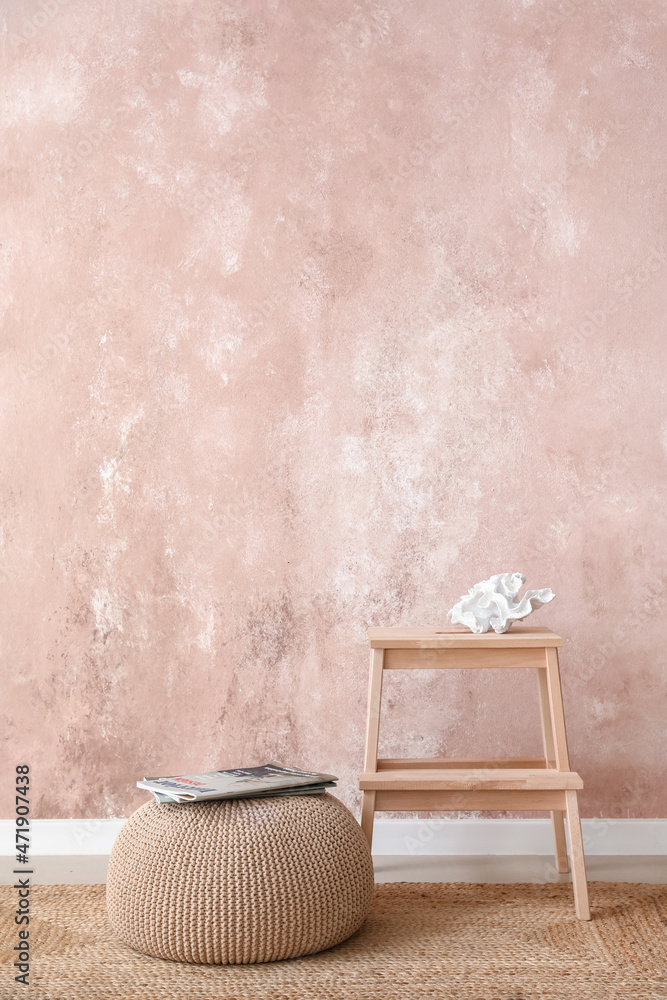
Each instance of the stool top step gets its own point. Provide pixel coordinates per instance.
(459, 637)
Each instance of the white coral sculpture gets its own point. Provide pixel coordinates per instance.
(493, 604)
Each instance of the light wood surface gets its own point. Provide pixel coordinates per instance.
(459, 637)
(557, 817)
(464, 779)
(545, 715)
(458, 801)
(392, 763)
(372, 736)
(460, 784)
(458, 659)
(556, 711)
(368, 810)
(577, 856)
(560, 844)
(373, 711)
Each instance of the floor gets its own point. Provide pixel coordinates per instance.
(436, 941)
(91, 869)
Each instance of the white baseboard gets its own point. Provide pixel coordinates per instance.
(63, 836)
(614, 837)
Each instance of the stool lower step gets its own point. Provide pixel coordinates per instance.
(470, 779)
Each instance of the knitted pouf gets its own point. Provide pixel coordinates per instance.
(247, 880)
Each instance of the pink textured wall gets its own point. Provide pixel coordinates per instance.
(313, 314)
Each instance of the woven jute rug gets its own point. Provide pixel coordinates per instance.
(469, 942)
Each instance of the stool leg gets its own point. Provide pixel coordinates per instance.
(579, 882)
(367, 815)
(557, 822)
(557, 713)
(372, 736)
(557, 816)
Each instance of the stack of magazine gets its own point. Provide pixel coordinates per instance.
(239, 783)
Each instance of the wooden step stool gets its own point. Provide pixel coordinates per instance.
(481, 783)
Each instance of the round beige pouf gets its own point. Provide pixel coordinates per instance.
(248, 880)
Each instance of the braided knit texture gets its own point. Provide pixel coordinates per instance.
(242, 881)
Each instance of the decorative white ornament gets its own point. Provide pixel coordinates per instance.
(492, 603)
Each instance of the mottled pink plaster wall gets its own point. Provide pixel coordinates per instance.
(313, 314)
